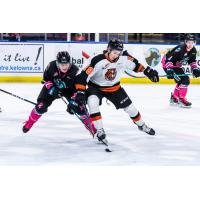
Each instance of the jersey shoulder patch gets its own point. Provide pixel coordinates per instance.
(178, 49)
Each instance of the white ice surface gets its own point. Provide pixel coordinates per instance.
(60, 139)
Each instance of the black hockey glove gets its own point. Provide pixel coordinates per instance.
(74, 107)
(170, 73)
(196, 72)
(80, 97)
(151, 74)
(70, 109)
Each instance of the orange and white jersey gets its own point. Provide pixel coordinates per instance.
(103, 72)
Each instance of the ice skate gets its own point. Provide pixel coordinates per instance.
(34, 116)
(146, 129)
(184, 103)
(101, 136)
(173, 100)
(27, 126)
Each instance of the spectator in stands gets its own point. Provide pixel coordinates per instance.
(14, 37)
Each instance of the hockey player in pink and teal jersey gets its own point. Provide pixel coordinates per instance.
(173, 63)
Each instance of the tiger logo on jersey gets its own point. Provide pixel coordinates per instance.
(110, 74)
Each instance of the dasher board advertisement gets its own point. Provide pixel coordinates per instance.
(21, 58)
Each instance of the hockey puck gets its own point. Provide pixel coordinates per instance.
(108, 150)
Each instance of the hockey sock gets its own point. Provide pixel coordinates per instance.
(176, 91)
(34, 116)
(138, 120)
(183, 91)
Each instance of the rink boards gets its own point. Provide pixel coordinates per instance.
(26, 61)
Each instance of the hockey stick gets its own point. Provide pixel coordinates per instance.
(14, 95)
(177, 75)
(76, 114)
(107, 149)
(67, 102)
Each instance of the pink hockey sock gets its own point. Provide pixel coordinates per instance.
(183, 91)
(34, 116)
(90, 125)
(176, 91)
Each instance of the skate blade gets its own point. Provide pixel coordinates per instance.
(182, 106)
(174, 104)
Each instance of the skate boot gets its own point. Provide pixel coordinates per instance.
(27, 126)
(101, 136)
(34, 116)
(0, 109)
(146, 129)
(184, 103)
(173, 100)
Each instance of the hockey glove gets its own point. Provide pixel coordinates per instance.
(74, 107)
(170, 73)
(151, 74)
(51, 89)
(48, 84)
(80, 97)
(196, 72)
(70, 109)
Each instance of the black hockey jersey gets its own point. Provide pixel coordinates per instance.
(52, 73)
(179, 56)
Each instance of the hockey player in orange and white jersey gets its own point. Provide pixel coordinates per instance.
(102, 75)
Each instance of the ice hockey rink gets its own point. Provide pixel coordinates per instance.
(60, 139)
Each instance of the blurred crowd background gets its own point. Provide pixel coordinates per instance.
(167, 38)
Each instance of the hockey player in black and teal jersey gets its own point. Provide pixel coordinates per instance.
(173, 63)
(59, 79)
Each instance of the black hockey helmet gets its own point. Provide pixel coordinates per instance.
(63, 57)
(115, 44)
(190, 37)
